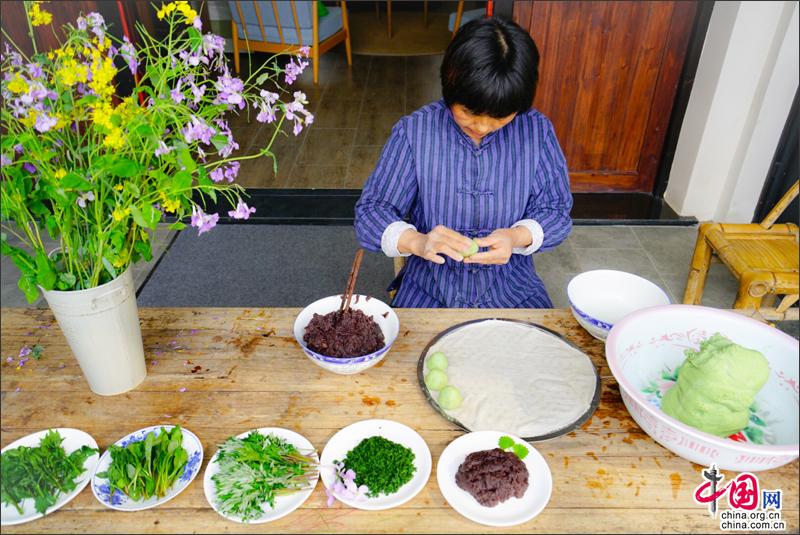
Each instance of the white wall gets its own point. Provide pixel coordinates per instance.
(746, 79)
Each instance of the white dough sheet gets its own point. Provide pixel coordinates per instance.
(515, 378)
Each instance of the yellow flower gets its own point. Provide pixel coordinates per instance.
(166, 9)
(119, 187)
(182, 6)
(103, 73)
(61, 173)
(72, 72)
(118, 263)
(120, 213)
(102, 115)
(30, 120)
(38, 16)
(169, 205)
(18, 85)
(115, 139)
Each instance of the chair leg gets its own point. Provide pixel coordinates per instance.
(346, 24)
(315, 46)
(698, 270)
(459, 13)
(753, 286)
(235, 39)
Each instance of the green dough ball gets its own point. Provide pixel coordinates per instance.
(436, 379)
(716, 386)
(473, 248)
(437, 361)
(449, 398)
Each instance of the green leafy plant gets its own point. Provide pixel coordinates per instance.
(43, 472)
(149, 467)
(255, 470)
(507, 443)
(98, 171)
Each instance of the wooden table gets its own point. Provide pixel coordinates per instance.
(243, 369)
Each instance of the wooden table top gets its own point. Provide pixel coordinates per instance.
(242, 369)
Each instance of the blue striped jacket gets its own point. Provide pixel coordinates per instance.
(430, 172)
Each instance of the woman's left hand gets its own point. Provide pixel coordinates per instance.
(500, 244)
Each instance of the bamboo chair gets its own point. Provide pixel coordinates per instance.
(762, 256)
(260, 34)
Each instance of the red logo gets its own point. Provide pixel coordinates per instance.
(742, 491)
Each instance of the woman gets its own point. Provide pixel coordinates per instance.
(482, 164)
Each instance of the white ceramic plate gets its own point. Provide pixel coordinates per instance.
(512, 511)
(283, 504)
(349, 437)
(73, 439)
(120, 501)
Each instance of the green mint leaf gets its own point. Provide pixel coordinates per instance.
(521, 451)
(505, 442)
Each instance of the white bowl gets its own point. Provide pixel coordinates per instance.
(383, 315)
(646, 347)
(602, 297)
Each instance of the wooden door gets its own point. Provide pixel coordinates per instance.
(608, 75)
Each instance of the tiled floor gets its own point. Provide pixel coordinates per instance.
(355, 109)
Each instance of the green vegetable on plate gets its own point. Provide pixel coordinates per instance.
(507, 443)
(42, 473)
(254, 470)
(148, 468)
(380, 464)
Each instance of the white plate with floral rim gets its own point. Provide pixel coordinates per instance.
(283, 504)
(118, 500)
(349, 437)
(510, 512)
(73, 439)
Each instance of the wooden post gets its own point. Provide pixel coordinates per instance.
(346, 25)
(235, 39)
(315, 47)
(698, 270)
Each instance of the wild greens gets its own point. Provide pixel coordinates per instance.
(149, 467)
(254, 470)
(42, 472)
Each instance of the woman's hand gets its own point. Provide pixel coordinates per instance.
(431, 246)
(501, 244)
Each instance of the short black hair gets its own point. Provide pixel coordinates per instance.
(491, 67)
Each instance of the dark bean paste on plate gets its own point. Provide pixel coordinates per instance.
(343, 334)
(493, 476)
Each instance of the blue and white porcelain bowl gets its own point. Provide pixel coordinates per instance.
(602, 297)
(383, 315)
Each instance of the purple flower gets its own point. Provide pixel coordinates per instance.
(82, 24)
(242, 211)
(177, 94)
(197, 129)
(232, 171)
(162, 149)
(18, 148)
(213, 45)
(293, 70)
(4, 160)
(204, 222)
(29, 167)
(129, 53)
(331, 496)
(197, 92)
(197, 23)
(44, 122)
(10, 360)
(88, 196)
(217, 175)
(182, 389)
(35, 70)
(230, 89)
(305, 51)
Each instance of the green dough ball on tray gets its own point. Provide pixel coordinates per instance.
(437, 361)
(436, 379)
(449, 398)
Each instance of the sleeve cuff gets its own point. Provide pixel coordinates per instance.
(537, 236)
(391, 236)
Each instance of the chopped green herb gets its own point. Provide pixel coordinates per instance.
(148, 468)
(380, 464)
(36, 351)
(255, 470)
(42, 473)
(507, 443)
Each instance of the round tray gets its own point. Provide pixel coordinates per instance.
(553, 434)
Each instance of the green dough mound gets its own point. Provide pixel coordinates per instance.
(716, 386)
